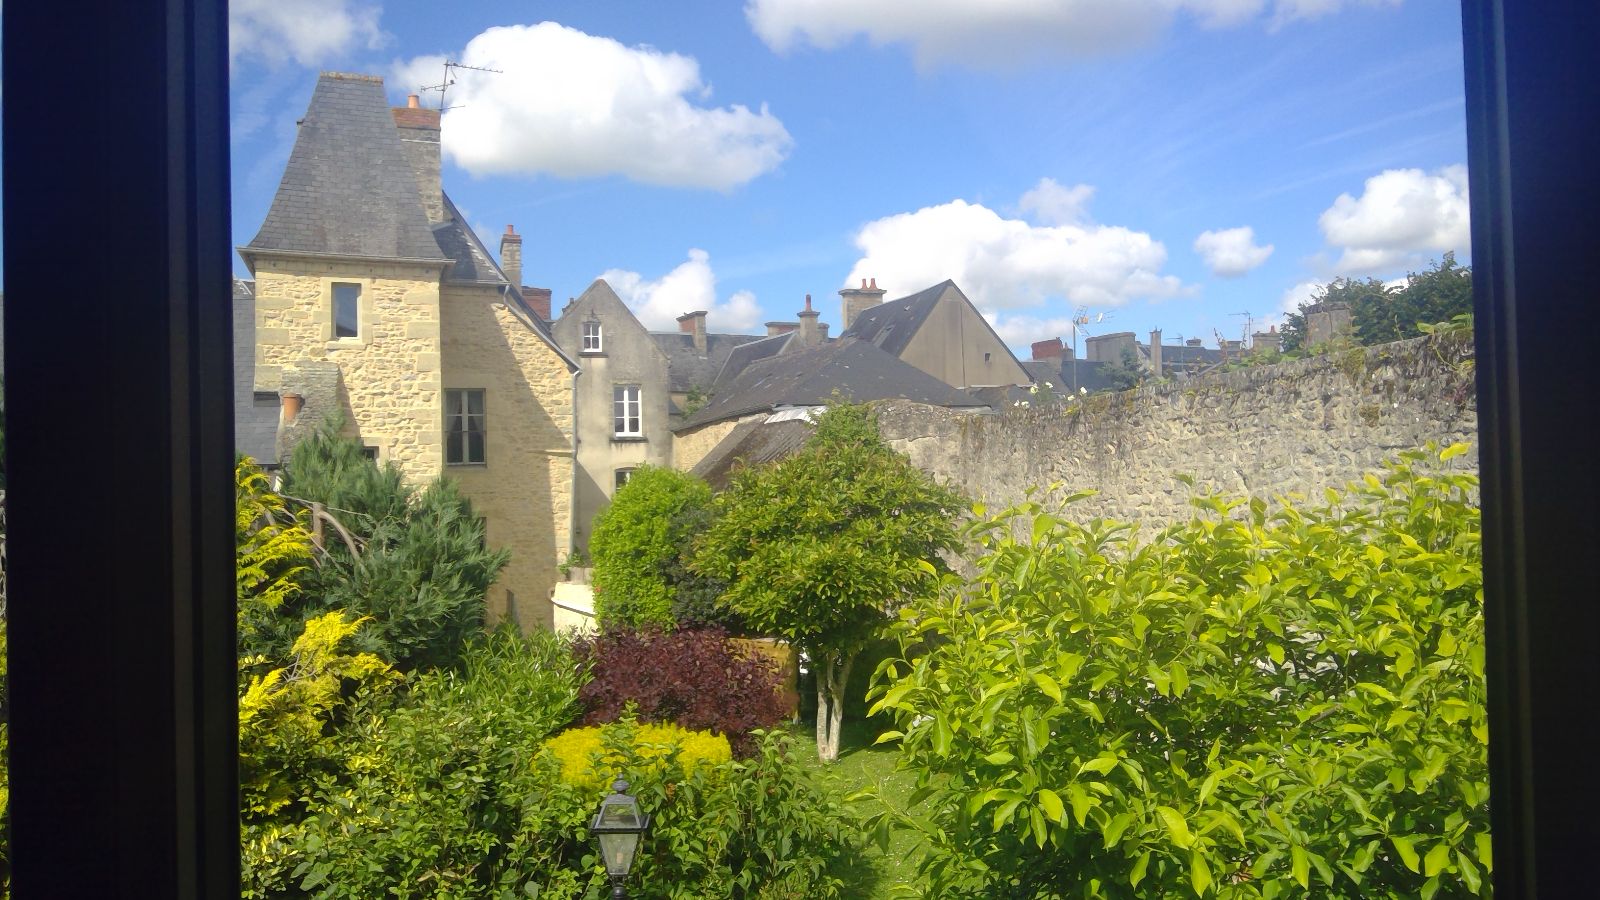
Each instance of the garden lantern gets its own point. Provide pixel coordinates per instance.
(619, 826)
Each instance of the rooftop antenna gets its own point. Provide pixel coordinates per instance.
(450, 78)
(1249, 326)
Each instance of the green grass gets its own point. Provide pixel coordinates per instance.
(861, 765)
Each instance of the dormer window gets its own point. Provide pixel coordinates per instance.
(591, 336)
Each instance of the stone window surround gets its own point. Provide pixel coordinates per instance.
(364, 313)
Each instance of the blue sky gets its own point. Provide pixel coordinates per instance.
(1104, 154)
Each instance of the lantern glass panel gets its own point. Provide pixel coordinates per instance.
(618, 850)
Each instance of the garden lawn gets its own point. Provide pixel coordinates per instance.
(862, 765)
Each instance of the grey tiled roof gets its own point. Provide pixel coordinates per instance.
(751, 444)
(687, 369)
(458, 241)
(348, 188)
(890, 325)
(740, 357)
(1067, 375)
(855, 369)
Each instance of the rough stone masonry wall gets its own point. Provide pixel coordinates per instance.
(391, 374)
(1293, 427)
(524, 490)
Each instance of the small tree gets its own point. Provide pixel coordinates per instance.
(821, 546)
(423, 568)
(638, 541)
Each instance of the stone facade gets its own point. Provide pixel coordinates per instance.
(691, 446)
(1296, 427)
(391, 371)
(524, 488)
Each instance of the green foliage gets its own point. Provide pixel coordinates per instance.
(1125, 374)
(455, 798)
(821, 546)
(637, 544)
(288, 716)
(439, 795)
(271, 549)
(422, 570)
(1380, 314)
(1249, 704)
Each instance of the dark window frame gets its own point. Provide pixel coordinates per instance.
(335, 300)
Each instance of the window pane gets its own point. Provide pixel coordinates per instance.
(475, 447)
(475, 402)
(345, 297)
(453, 447)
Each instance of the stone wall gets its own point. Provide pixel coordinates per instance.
(391, 372)
(689, 447)
(1293, 427)
(524, 489)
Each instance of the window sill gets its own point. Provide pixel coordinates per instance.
(345, 343)
(468, 465)
(582, 353)
(628, 439)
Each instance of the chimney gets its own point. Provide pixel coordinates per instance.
(1193, 342)
(857, 300)
(695, 323)
(538, 300)
(1267, 341)
(776, 328)
(1155, 351)
(511, 255)
(810, 334)
(419, 135)
(291, 407)
(1050, 349)
(822, 329)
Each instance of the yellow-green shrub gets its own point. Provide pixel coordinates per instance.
(588, 760)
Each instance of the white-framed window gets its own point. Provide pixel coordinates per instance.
(465, 434)
(622, 477)
(591, 337)
(346, 310)
(626, 411)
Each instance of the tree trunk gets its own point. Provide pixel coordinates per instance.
(833, 677)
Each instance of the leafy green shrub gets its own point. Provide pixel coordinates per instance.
(1249, 704)
(287, 716)
(422, 570)
(697, 679)
(444, 794)
(637, 544)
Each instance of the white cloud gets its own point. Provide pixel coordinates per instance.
(575, 105)
(1008, 263)
(1052, 204)
(1231, 252)
(1400, 214)
(1298, 296)
(1005, 33)
(309, 32)
(691, 286)
(1020, 331)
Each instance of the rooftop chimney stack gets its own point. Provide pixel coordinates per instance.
(1155, 352)
(694, 323)
(511, 255)
(810, 334)
(858, 300)
(419, 135)
(1050, 349)
(538, 300)
(776, 328)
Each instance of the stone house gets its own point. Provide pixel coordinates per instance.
(938, 330)
(373, 300)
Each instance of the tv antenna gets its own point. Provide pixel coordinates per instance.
(1249, 326)
(449, 79)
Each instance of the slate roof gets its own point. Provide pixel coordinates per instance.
(348, 188)
(751, 444)
(687, 369)
(855, 369)
(473, 264)
(1189, 358)
(1060, 373)
(740, 357)
(890, 325)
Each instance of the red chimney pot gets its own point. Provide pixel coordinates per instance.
(411, 101)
